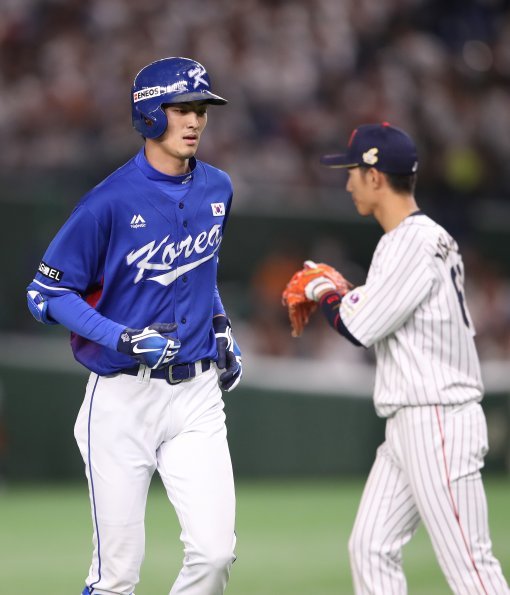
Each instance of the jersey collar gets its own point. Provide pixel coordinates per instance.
(153, 174)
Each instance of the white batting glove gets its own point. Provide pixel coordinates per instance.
(317, 286)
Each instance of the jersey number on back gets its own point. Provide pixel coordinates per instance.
(456, 274)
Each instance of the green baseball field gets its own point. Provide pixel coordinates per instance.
(292, 539)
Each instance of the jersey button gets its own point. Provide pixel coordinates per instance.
(184, 279)
(183, 320)
(185, 223)
(181, 205)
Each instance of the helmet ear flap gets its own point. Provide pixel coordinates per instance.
(151, 125)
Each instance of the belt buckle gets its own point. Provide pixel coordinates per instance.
(170, 379)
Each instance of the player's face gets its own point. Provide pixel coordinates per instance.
(360, 187)
(186, 122)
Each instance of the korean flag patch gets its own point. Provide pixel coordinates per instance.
(218, 209)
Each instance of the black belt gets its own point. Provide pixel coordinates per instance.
(176, 373)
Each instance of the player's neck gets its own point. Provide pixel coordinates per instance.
(394, 209)
(164, 162)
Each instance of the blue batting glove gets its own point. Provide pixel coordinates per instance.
(229, 354)
(152, 346)
(224, 339)
(232, 376)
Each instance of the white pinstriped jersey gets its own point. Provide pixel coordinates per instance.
(412, 309)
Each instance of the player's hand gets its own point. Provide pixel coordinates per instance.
(321, 278)
(152, 346)
(232, 375)
(304, 290)
(229, 354)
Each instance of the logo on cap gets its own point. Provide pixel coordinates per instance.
(177, 87)
(198, 75)
(146, 93)
(371, 156)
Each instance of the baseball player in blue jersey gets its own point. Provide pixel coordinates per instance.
(132, 274)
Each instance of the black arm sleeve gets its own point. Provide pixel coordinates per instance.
(330, 306)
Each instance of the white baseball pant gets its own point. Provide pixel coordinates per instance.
(127, 429)
(427, 469)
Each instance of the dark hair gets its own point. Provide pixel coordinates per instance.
(402, 184)
(399, 183)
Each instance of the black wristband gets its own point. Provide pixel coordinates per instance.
(124, 342)
(330, 306)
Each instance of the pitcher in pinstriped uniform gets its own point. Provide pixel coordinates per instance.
(428, 385)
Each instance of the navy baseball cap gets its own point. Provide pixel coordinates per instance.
(381, 146)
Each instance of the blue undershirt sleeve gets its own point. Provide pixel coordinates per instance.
(217, 303)
(71, 311)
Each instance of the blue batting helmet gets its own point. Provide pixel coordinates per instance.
(170, 80)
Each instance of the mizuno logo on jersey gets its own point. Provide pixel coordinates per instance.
(137, 221)
(218, 209)
(160, 257)
(49, 272)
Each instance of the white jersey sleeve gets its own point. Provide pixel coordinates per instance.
(412, 309)
(399, 279)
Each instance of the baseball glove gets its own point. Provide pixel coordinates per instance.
(301, 294)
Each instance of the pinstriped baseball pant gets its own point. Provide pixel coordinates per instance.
(125, 431)
(428, 469)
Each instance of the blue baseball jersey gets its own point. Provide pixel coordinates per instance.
(142, 247)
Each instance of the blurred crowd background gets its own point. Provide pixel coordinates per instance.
(299, 76)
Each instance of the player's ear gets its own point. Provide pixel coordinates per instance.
(375, 177)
